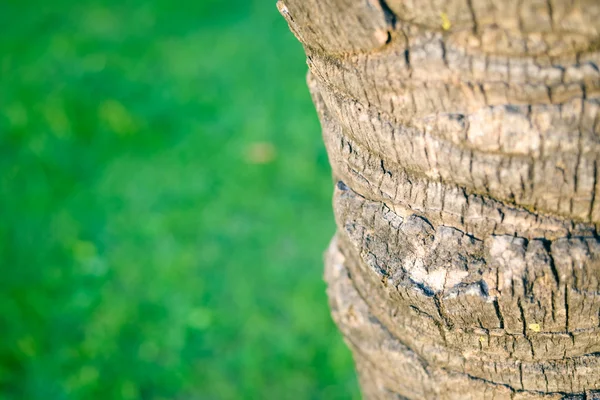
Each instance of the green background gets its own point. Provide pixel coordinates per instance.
(164, 206)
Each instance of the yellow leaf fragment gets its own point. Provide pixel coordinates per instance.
(445, 21)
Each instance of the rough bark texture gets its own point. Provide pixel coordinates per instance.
(464, 140)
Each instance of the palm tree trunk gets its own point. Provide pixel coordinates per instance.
(464, 141)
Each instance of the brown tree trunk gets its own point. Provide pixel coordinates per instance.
(464, 140)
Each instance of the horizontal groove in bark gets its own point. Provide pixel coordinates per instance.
(444, 260)
(533, 182)
(374, 344)
(413, 354)
(407, 192)
(501, 137)
(397, 98)
(439, 59)
(406, 264)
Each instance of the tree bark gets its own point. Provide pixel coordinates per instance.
(464, 138)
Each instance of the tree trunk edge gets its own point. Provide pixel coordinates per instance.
(463, 141)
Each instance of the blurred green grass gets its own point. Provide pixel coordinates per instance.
(164, 206)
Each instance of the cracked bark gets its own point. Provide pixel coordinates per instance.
(464, 139)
